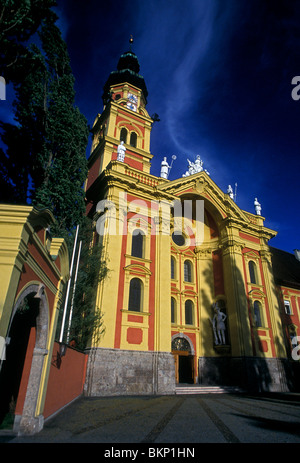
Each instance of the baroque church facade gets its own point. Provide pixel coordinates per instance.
(194, 292)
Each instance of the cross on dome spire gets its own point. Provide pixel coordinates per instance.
(131, 42)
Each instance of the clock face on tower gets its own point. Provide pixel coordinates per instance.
(132, 102)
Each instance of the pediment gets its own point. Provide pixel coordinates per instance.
(188, 253)
(251, 255)
(189, 292)
(201, 185)
(137, 269)
(256, 293)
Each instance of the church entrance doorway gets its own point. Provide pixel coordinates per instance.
(184, 360)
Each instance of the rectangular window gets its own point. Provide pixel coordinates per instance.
(287, 307)
(189, 309)
(187, 271)
(173, 310)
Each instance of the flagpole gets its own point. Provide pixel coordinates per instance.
(74, 287)
(68, 288)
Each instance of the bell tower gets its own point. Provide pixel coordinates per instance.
(124, 121)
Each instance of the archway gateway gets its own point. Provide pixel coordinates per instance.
(184, 360)
(22, 370)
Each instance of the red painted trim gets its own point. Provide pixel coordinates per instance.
(120, 301)
(267, 310)
(218, 272)
(249, 308)
(151, 333)
(93, 172)
(66, 379)
(135, 318)
(134, 335)
(249, 237)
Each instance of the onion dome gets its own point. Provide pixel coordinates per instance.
(127, 71)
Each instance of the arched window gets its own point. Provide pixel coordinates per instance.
(173, 310)
(135, 295)
(189, 312)
(187, 273)
(252, 272)
(172, 268)
(137, 244)
(181, 344)
(257, 313)
(123, 135)
(133, 139)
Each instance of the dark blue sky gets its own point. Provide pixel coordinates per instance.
(219, 74)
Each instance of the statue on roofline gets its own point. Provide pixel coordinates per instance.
(195, 167)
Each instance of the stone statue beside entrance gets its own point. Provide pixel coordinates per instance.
(218, 323)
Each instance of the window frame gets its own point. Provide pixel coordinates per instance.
(192, 305)
(189, 271)
(173, 268)
(133, 297)
(173, 310)
(253, 274)
(122, 130)
(257, 305)
(136, 244)
(133, 139)
(287, 303)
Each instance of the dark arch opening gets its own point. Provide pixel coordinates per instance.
(23, 325)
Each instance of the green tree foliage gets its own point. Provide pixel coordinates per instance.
(19, 21)
(45, 162)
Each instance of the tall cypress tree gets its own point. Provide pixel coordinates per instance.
(61, 166)
(45, 162)
(19, 21)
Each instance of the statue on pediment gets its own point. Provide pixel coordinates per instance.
(195, 167)
(257, 206)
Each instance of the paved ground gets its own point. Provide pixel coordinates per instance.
(215, 418)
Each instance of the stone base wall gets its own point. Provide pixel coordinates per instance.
(122, 372)
(254, 374)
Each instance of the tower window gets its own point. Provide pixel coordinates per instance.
(133, 139)
(253, 272)
(173, 310)
(187, 271)
(257, 314)
(135, 295)
(123, 135)
(189, 312)
(137, 244)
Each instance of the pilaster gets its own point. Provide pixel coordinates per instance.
(237, 304)
(274, 311)
(206, 298)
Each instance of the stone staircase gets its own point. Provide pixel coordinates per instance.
(197, 389)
